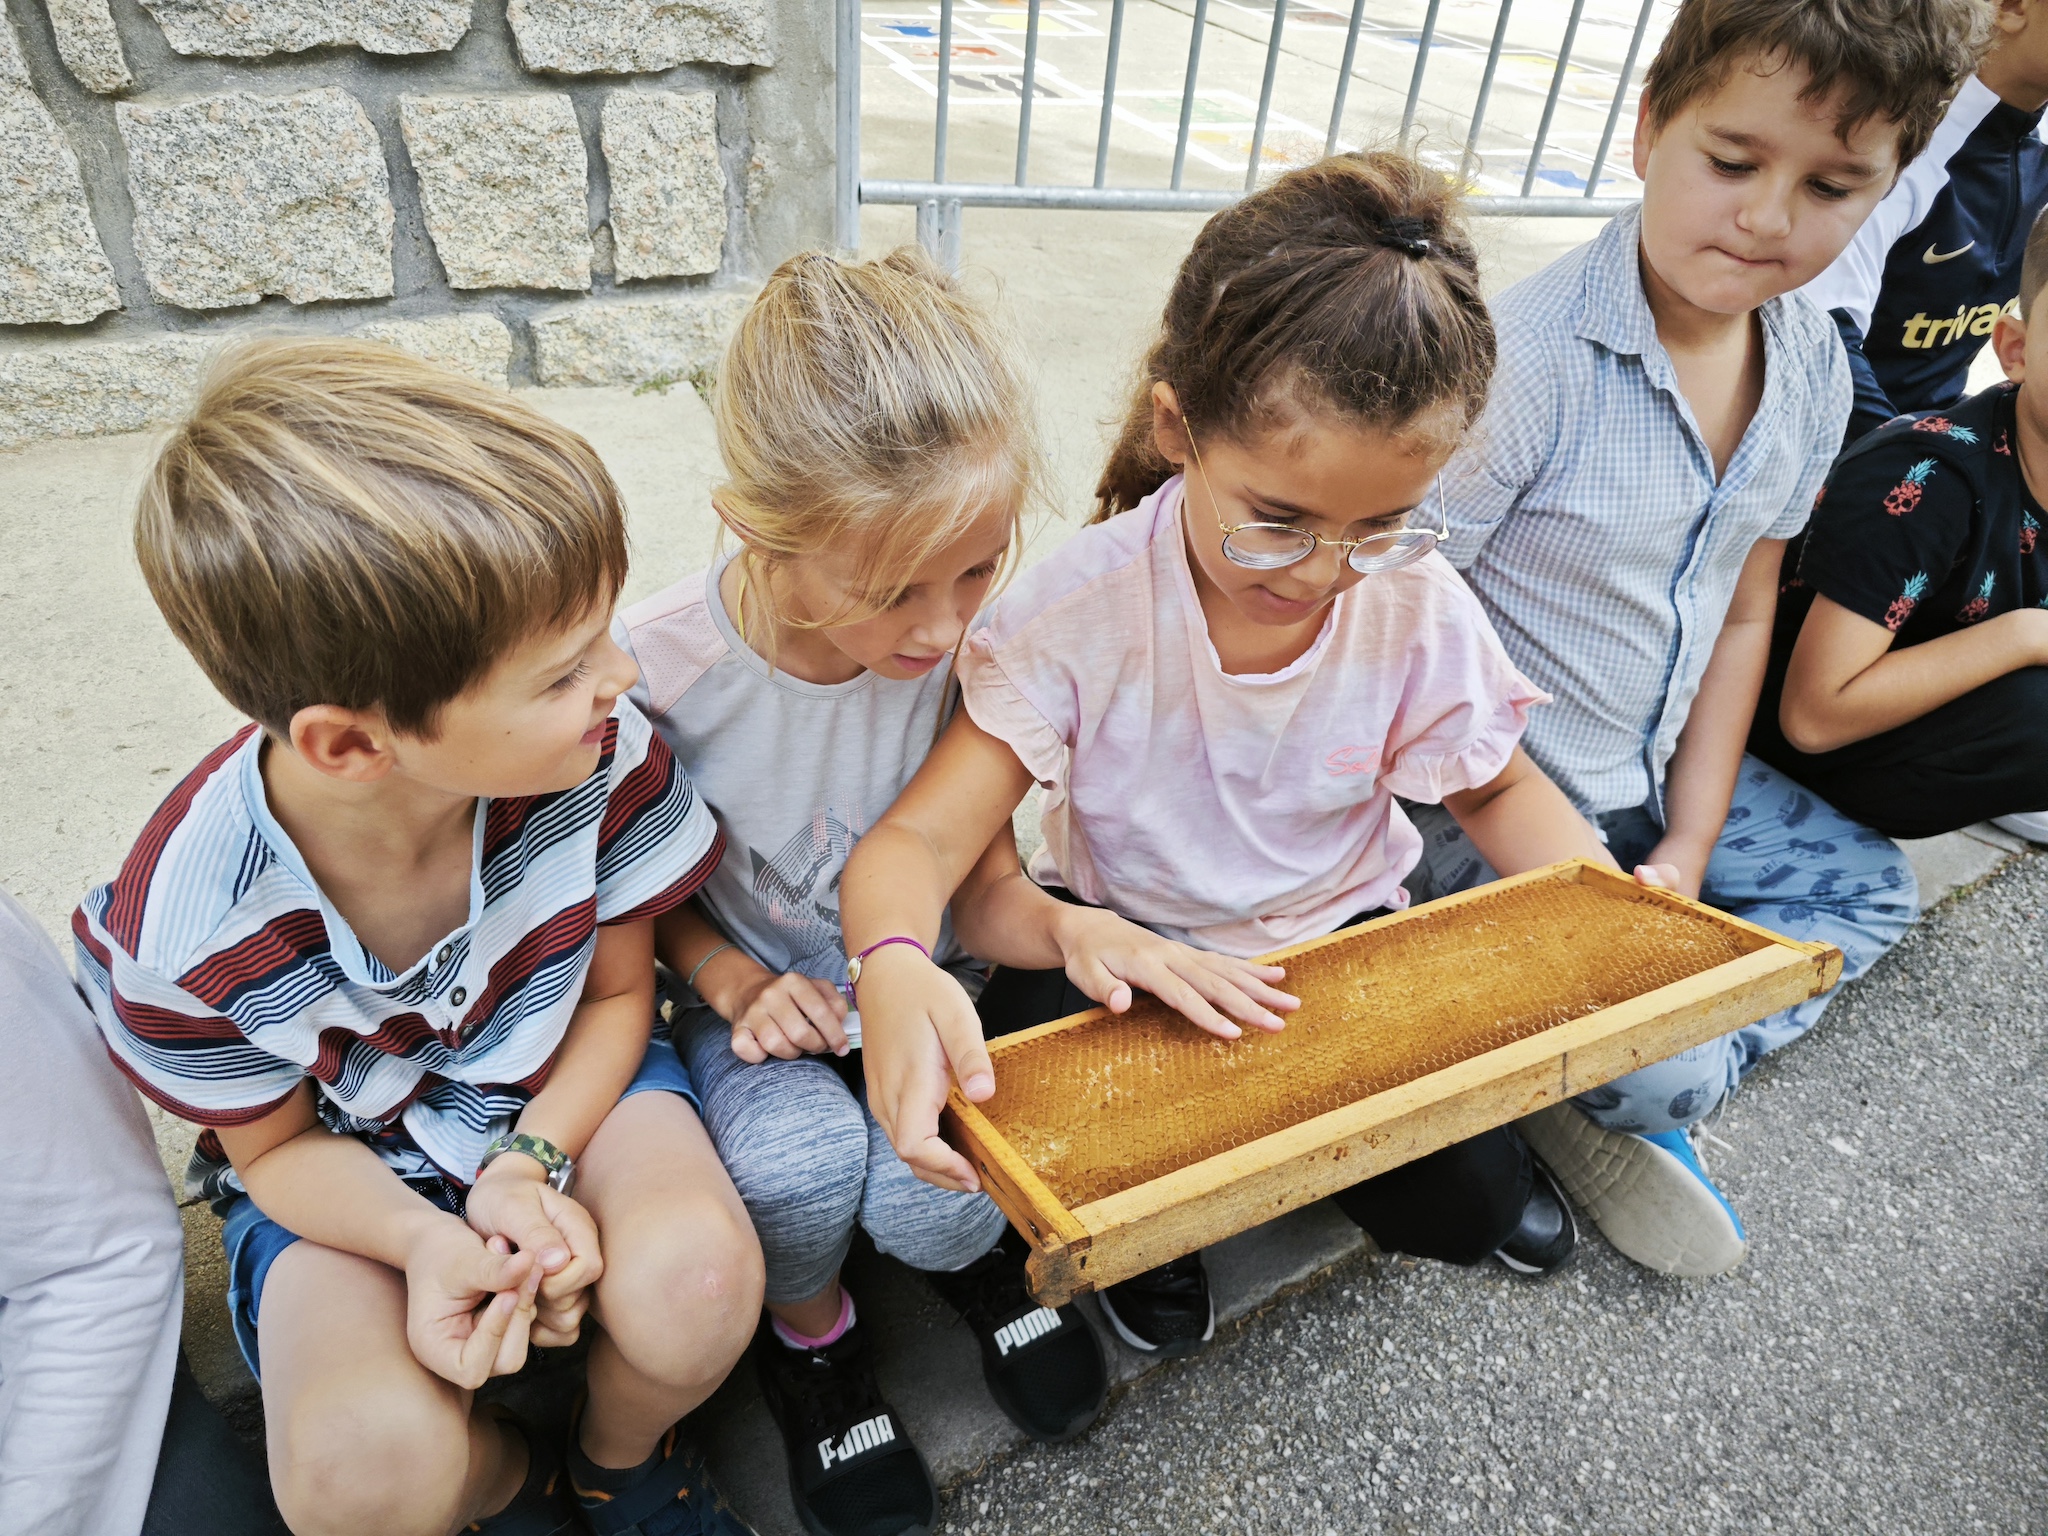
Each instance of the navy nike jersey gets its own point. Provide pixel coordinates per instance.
(1919, 288)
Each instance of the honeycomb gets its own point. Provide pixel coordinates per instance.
(1114, 1103)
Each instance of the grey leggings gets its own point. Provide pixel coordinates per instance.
(810, 1161)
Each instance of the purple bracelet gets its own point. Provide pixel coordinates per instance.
(853, 966)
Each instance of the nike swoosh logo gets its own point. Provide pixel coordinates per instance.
(1935, 258)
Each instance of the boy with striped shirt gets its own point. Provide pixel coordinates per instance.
(392, 946)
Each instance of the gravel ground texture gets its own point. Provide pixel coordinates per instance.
(1877, 1364)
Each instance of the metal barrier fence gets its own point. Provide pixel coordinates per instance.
(940, 202)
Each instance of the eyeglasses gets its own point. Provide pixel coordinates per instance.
(1273, 546)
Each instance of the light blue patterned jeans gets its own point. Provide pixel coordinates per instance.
(1786, 860)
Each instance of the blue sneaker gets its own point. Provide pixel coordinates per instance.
(1649, 1195)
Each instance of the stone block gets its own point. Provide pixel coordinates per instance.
(503, 183)
(237, 196)
(478, 345)
(668, 189)
(99, 387)
(89, 45)
(626, 37)
(248, 29)
(52, 266)
(634, 342)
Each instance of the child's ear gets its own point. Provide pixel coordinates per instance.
(1645, 139)
(1169, 427)
(342, 743)
(2009, 345)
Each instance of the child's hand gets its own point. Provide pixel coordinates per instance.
(1665, 876)
(469, 1307)
(512, 1201)
(1108, 955)
(918, 1028)
(787, 1016)
(783, 1015)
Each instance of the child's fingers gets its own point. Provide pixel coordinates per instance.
(1663, 876)
(746, 1047)
(1175, 989)
(938, 1164)
(558, 1326)
(476, 1354)
(959, 1031)
(914, 1133)
(511, 1355)
(1225, 990)
(823, 1008)
(1097, 980)
(586, 1262)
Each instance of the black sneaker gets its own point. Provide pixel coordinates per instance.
(1043, 1365)
(852, 1468)
(1165, 1312)
(1546, 1235)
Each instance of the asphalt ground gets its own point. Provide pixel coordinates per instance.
(1877, 1364)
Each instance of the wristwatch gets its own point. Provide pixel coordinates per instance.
(560, 1165)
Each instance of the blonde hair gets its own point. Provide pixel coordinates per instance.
(870, 406)
(338, 523)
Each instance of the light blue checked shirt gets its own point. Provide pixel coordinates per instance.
(1585, 514)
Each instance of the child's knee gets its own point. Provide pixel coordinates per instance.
(1665, 1095)
(358, 1460)
(798, 1169)
(681, 1296)
(941, 1233)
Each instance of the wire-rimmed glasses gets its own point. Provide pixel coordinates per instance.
(1274, 546)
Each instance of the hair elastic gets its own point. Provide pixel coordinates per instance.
(692, 982)
(1408, 236)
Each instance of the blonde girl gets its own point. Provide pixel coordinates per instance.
(875, 432)
(1225, 681)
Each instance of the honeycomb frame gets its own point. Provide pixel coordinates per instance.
(1114, 1142)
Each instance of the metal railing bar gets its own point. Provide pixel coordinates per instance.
(1500, 36)
(945, 89)
(1116, 43)
(1628, 68)
(1343, 75)
(1000, 194)
(846, 111)
(1030, 88)
(1187, 91)
(1422, 43)
(1564, 59)
(1251, 170)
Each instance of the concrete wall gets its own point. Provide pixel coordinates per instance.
(539, 191)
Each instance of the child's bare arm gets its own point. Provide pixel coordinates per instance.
(916, 1023)
(601, 1050)
(469, 1307)
(1521, 820)
(1700, 782)
(787, 1015)
(1001, 916)
(1846, 683)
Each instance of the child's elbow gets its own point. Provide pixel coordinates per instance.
(1808, 729)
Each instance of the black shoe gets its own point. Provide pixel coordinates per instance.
(1544, 1238)
(1043, 1365)
(852, 1468)
(1165, 1312)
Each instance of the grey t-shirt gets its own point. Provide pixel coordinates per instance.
(796, 772)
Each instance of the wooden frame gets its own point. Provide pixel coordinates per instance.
(1111, 1239)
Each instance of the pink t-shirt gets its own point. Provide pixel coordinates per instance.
(1241, 813)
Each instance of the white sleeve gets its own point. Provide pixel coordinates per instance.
(1853, 280)
(91, 1262)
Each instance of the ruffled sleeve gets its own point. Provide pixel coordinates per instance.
(1000, 707)
(1464, 709)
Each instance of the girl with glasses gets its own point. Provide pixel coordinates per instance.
(1223, 684)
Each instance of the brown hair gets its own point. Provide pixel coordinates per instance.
(1348, 286)
(1897, 59)
(871, 406)
(338, 523)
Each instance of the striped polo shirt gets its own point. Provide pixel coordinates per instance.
(221, 976)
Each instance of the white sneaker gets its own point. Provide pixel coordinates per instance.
(2032, 825)
(1650, 1196)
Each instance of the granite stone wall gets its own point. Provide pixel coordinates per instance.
(536, 191)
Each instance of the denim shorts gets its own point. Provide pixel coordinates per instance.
(253, 1241)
